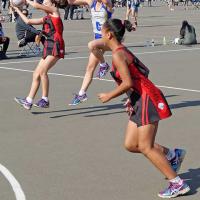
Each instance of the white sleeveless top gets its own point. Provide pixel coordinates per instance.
(99, 17)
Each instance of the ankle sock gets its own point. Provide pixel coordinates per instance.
(81, 92)
(177, 180)
(45, 98)
(29, 100)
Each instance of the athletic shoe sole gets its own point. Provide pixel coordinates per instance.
(35, 105)
(74, 104)
(181, 192)
(26, 107)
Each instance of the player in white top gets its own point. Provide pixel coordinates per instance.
(101, 10)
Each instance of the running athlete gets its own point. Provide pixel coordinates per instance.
(54, 49)
(147, 102)
(132, 8)
(101, 10)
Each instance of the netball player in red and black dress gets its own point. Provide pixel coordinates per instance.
(54, 49)
(147, 102)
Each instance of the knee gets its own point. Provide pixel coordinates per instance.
(91, 45)
(43, 73)
(130, 147)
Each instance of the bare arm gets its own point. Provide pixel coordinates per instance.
(80, 2)
(49, 9)
(122, 68)
(27, 20)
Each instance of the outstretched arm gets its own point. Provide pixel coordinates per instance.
(27, 20)
(49, 9)
(80, 2)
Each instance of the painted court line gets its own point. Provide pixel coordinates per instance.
(86, 57)
(19, 194)
(108, 80)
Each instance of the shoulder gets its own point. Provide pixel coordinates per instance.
(119, 56)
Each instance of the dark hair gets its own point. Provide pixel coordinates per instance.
(118, 27)
(184, 25)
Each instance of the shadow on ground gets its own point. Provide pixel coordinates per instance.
(87, 111)
(192, 178)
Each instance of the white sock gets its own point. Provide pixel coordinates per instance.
(81, 92)
(30, 100)
(176, 180)
(171, 154)
(45, 98)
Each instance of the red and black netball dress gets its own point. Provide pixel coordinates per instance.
(147, 100)
(54, 44)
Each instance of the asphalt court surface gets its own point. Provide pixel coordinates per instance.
(77, 153)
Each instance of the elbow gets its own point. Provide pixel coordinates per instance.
(28, 22)
(128, 85)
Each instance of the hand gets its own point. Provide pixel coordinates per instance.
(38, 39)
(104, 97)
(13, 7)
(129, 108)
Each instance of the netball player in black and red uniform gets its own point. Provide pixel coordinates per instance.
(54, 49)
(147, 102)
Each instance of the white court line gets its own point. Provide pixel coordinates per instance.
(108, 80)
(86, 57)
(19, 194)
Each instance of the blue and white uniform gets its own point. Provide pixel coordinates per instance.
(98, 18)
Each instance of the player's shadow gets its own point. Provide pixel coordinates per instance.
(87, 111)
(192, 178)
(185, 104)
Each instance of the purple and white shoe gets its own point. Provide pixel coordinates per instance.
(23, 102)
(103, 70)
(42, 104)
(77, 99)
(174, 190)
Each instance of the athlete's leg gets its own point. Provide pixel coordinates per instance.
(96, 55)
(97, 47)
(40, 74)
(128, 11)
(131, 139)
(135, 15)
(91, 66)
(50, 61)
(146, 138)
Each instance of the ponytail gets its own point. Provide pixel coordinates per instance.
(118, 27)
(128, 25)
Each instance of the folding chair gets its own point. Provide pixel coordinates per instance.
(31, 48)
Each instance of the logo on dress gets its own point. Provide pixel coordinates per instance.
(61, 51)
(161, 106)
